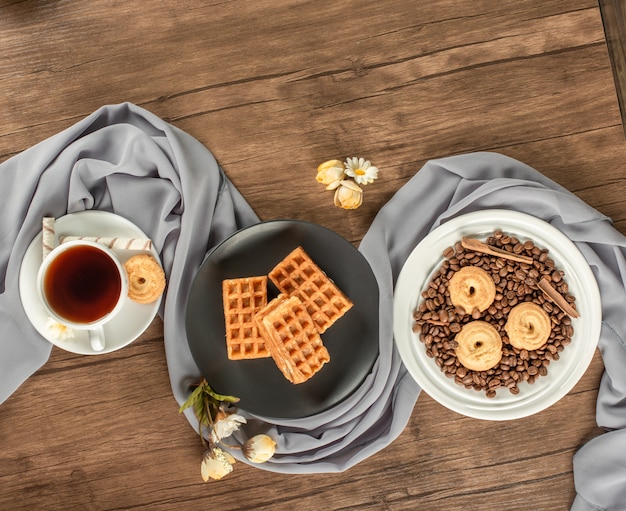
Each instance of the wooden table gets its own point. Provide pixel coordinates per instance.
(273, 88)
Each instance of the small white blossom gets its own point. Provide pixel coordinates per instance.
(361, 170)
(226, 426)
(58, 330)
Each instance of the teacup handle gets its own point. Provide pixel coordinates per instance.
(96, 338)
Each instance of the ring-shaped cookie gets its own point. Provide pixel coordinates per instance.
(472, 288)
(479, 346)
(146, 278)
(528, 326)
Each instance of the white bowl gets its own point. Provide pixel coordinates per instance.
(562, 375)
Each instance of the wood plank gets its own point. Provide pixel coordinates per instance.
(274, 88)
(614, 18)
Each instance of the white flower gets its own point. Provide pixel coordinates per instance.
(216, 464)
(58, 330)
(361, 170)
(330, 173)
(226, 426)
(259, 448)
(348, 195)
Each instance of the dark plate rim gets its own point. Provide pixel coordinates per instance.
(280, 225)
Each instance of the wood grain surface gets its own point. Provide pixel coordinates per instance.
(274, 88)
(614, 19)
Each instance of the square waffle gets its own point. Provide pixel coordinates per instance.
(242, 298)
(291, 338)
(299, 276)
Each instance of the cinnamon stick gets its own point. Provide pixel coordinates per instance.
(557, 298)
(483, 248)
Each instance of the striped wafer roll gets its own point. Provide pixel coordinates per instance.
(114, 243)
(47, 231)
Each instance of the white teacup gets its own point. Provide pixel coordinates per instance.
(82, 285)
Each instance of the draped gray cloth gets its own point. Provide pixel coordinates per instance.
(449, 187)
(125, 160)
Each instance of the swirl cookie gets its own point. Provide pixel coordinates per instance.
(528, 326)
(472, 288)
(479, 346)
(146, 279)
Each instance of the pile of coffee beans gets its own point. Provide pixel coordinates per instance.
(438, 321)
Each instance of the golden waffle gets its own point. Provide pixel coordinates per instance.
(299, 276)
(291, 338)
(242, 298)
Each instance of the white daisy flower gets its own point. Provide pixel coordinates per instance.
(361, 170)
(59, 330)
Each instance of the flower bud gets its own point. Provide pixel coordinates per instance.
(348, 195)
(216, 464)
(259, 448)
(329, 173)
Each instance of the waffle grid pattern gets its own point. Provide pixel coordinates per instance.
(292, 338)
(243, 298)
(298, 275)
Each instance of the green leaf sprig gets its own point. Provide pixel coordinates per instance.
(209, 407)
(206, 404)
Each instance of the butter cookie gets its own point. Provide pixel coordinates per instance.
(528, 326)
(472, 288)
(479, 346)
(146, 278)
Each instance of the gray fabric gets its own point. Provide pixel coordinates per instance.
(126, 160)
(446, 188)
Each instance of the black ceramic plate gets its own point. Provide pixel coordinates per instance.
(352, 341)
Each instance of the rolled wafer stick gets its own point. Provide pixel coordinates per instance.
(47, 233)
(115, 243)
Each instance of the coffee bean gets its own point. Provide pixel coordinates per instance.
(448, 252)
(437, 320)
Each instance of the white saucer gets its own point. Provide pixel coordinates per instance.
(562, 375)
(126, 326)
